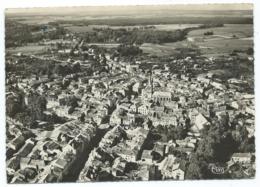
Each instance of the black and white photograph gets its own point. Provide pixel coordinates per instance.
(129, 93)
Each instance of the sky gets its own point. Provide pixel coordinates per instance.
(128, 10)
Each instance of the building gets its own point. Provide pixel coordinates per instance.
(147, 156)
(172, 170)
(243, 158)
(162, 97)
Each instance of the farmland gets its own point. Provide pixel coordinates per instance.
(27, 49)
(162, 49)
(77, 28)
(224, 39)
(241, 31)
(222, 42)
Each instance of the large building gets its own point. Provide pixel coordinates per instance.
(162, 96)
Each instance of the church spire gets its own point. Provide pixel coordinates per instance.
(151, 81)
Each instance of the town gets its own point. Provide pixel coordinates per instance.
(82, 112)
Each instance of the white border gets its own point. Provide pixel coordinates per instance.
(48, 3)
(63, 3)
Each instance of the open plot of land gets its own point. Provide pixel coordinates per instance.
(221, 43)
(166, 27)
(86, 28)
(220, 46)
(105, 45)
(28, 49)
(239, 30)
(170, 27)
(162, 49)
(78, 28)
(223, 46)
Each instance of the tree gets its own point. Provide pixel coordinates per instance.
(25, 118)
(58, 70)
(128, 50)
(14, 104)
(197, 169)
(216, 146)
(76, 68)
(70, 101)
(176, 132)
(250, 51)
(12, 107)
(247, 145)
(82, 117)
(71, 110)
(36, 106)
(243, 142)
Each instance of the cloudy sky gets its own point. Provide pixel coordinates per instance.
(128, 10)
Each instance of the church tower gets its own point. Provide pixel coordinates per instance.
(151, 82)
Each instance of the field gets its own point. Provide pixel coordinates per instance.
(162, 49)
(223, 46)
(170, 27)
(222, 42)
(239, 30)
(78, 28)
(86, 28)
(28, 49)
(224, 39)
(106, 45)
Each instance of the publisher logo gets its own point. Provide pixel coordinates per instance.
(216, 169)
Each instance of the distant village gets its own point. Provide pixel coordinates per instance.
(125, 122)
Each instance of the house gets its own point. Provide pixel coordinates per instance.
(137, 87)
(158, 151)
(132, 68)
(118, 167)
(127, 154)
(187, 150)
(50, 178)
(13, 164)
(25, 150)
(250, 110)
(115, 118)
(162, 96)
(124, 106)
(165, 121)
(134, 107)
(170, 145)
(186, 143)
(236, 105)
(52, 101)
(17, 142)
(172, 170)
(154, 173)
(143, 109)
(18, 180)
(32, 163)
(61, 163)
(250, 130)
(243, 158)
(142, 173)
(147, 156)
(24, 162)
(147, 93)
(218, 85)
(199, 123)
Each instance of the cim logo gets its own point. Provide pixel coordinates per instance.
(216, 169)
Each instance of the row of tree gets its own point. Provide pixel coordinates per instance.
(137, 36)
(19, 34)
